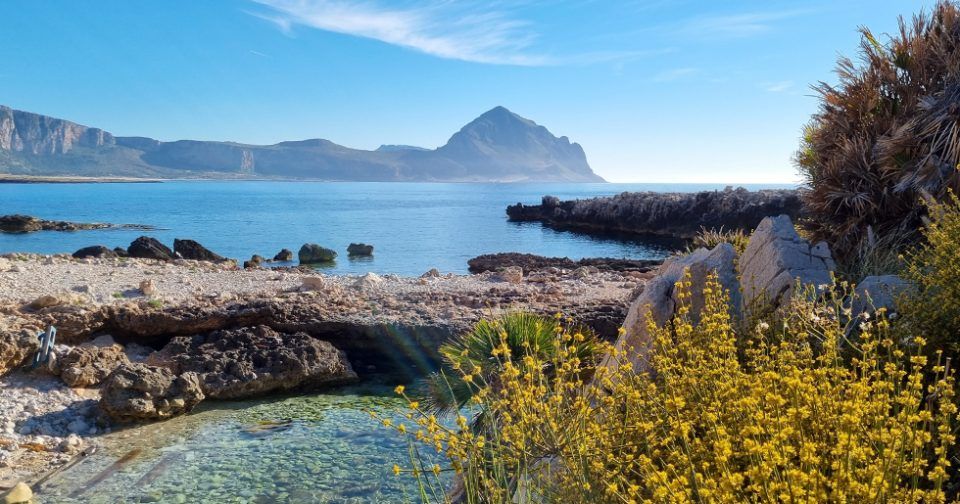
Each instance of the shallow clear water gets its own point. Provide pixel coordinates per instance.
(319, 448)
(413, 226)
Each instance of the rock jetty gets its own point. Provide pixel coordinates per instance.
(677, 215)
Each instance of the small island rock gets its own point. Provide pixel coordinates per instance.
(311, 253)
(285, 255)
(360, 249)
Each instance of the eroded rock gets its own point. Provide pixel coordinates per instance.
(89, 364)
(137, 392)
(659, 297)
(16, 349)
(776, 258)
(256, 360)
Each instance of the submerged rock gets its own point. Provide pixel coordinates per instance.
(98, 251)
(360, 249)
(251, 361)
(189, 249)
(146, 247)
(136, 392)
(311, 253)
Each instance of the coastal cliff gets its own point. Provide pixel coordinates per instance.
(680, 215)
(498, 146)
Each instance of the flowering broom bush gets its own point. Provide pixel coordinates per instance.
(785, 415)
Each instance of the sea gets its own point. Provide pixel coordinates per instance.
(413, 226)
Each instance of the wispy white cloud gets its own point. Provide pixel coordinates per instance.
(739, 25)
(439, 28)
(675, 74)
(489, 32)
(778, 87)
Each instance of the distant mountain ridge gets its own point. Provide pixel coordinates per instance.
(498, 146)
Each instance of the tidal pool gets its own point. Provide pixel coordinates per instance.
(306, 449)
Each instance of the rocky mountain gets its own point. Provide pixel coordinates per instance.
(498, 146)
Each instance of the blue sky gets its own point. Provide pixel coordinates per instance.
(654, 90)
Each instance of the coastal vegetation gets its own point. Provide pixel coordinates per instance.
(885, 137)
(833, 395)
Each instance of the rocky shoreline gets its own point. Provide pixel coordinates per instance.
(675, 215)
(145, 339)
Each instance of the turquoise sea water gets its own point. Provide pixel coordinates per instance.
(413, 226)
(308, 449)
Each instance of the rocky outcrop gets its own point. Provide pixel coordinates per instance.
(659, 301)
(359, 249)
(146, 247)
(41, 135)
(680, 215)
(98, 251)
(189, 249)
(776, 258)
(530, 263)
(29, 224)
(138, 392)
(256, 360)
(89, 364)
(16, 349)
(311, 253)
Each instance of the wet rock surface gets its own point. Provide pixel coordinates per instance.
(679, 215)
(253, 361)
(360, 249)
(136, 392)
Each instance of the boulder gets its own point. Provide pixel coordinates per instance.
(90, 363)
(368, 281)
(121, 252)
(189, 249)
(252, 361)
(312, 283)
(98, 251)
(776, 258)
(876, 292)
(149, 248)
(19, 494)
(285, 255)
(136, 392)
(659, 299)
(360, 249)
(16, 349)
(311, 253)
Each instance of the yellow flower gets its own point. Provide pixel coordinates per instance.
(399, 390)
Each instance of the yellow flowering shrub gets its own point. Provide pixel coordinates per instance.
(934, 268)
(782, 416)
